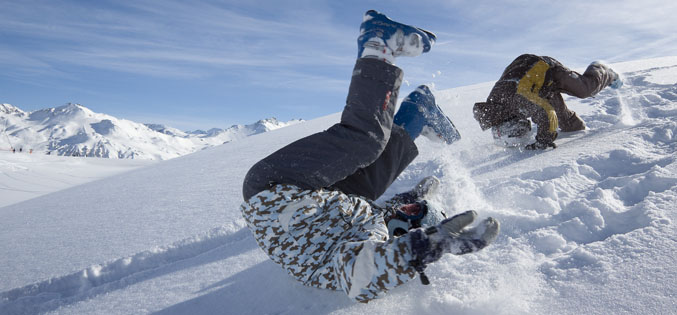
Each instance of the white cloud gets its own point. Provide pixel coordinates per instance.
(182, 39)
(295, 45)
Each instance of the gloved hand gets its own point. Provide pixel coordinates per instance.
(459, 239)
(450, 236)
(617, 82)
(540, 145)
(455, 225)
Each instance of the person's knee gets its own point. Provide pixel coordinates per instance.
(572, 123)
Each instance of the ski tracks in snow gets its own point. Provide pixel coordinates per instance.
(99, 279)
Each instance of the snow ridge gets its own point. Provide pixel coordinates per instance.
(117, 274)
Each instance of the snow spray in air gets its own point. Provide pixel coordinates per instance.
(629, 115)
(626, 117)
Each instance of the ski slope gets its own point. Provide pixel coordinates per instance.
(25, 175)
(587, 228)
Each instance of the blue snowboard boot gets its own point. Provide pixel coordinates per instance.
(385, 39)
(419, 114)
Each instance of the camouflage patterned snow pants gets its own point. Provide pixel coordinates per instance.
(330, 240)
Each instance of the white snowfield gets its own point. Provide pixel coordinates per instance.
(28, 175)
(587, 228)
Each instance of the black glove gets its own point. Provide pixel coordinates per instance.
(540, 145)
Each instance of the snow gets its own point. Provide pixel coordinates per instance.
(26, 175)
(587, 228)
(74, 130)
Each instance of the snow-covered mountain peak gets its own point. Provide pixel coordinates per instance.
(272, 123)
(166, 130)
(73, 129)
(10, 109)
(239, 131)
(68, 112)
(73, 108)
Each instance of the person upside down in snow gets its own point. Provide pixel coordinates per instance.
(531, 87)
(310, 204)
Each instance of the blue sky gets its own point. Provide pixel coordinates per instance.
(203, 64)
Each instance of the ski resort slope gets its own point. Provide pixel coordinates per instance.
(587, 228)
(25, 175)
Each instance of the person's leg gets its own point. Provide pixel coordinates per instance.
(327, 157)
(596, 77)
(419, 114)
(372, 181)
(567, 119)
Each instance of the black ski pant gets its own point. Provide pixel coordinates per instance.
(362, 154)
(306, 203)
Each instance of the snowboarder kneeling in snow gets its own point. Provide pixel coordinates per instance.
(310, 204)
(530, 87)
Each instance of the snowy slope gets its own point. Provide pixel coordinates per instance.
(26, 176)
(74, 130)
(588, 228)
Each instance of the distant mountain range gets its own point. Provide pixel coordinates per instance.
(75, 130)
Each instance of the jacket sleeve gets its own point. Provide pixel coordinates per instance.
(544, 134)
(595, 78)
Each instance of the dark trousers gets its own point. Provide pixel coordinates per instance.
(363, 154)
